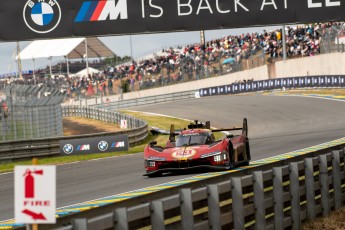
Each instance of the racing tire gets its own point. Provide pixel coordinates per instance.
(231, 156)
(246, 163)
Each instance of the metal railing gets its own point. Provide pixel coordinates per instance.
(147, 100)
(23, 149)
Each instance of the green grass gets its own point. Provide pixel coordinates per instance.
(327, 91)
(153, 120)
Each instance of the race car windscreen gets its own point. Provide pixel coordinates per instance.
(187, 140)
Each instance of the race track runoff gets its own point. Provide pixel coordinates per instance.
(277, 124)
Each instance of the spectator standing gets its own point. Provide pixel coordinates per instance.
(110, 86)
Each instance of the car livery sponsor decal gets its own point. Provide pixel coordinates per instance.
(156, 159)
(210, 154)
(183, 153)
(42, 16)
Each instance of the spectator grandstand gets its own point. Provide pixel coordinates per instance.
(191, 62)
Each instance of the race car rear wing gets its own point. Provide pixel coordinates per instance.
(244, 128)
(207, 125)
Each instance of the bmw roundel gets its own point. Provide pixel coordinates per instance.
(42, 16)
(103, 145)
(68, 148)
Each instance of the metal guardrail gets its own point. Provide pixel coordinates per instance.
(274, 193)
(279, 198)
(147, 100)
(13, 150)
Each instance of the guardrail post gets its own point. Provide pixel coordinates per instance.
(79, 224)
(310, 187)
(278, 198)
(187, 219)
(259, 200)
(295, 196)
(157, 215)
(120, 219)
(237, 202)
(338, 198)
(213, 206)
(325, 201)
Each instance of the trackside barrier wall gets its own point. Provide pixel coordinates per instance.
(280, 83)
(274, 193)
(137, 132)
(147, 100)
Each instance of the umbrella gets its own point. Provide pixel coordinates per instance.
(230, 61)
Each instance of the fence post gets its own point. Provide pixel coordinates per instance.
(120, 219)
(325, 204)
(278, 198)
(157, 215)
(79, 224)
(213, 206)
(338, 198)
(259, 200)
(237, 202)
(295, 196)
(187, 219)
(310, 187)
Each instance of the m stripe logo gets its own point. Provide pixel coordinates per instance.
(101, 10)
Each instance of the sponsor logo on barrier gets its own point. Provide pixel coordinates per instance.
(119, 144)
(102, 10)
(103, 145)
(42, 16)
(68, 148)
(83, 147)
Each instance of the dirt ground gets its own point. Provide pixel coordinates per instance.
(81, 125)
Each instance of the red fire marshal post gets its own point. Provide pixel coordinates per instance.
(35, 194)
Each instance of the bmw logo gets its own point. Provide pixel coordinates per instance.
(68, 148)
(42, 16)
(103, 145)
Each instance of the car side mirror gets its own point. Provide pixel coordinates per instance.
(153, 143)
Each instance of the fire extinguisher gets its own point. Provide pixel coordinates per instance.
(30, 182)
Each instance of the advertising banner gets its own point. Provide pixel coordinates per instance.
(309, 81)
(342, 80)
(221, 90)
(39, 19)
(297, 82)
(322, 81)
(235, 88)
(94, 145)
(328, 81)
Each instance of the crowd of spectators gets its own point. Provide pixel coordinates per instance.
(197, 61)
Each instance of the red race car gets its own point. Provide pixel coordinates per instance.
(195, 148)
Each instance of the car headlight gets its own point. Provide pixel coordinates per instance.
(218, 158)
(150, 163)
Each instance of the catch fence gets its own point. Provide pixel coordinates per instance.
(30, 112)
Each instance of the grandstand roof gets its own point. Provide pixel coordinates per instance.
(73, 48)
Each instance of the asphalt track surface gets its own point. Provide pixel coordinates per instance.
(277, 124)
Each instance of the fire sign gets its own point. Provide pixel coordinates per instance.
(35, 194)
